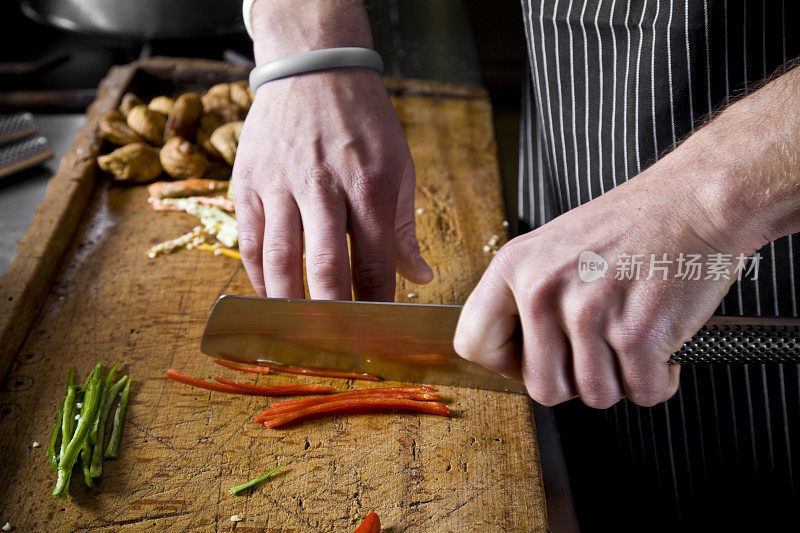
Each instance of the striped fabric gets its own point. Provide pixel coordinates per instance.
(611, 86)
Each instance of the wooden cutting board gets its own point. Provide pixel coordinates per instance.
(184, 447)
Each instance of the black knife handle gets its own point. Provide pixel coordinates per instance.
(742, 340)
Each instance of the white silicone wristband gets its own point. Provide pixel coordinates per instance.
(247, 8)
(314, 60)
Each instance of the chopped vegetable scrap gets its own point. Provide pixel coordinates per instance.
(189, 144)
(371, 524)
(253, 482)
(236, 387)
(187, 187)
(306, 371)
(216, 249)
(84, 434)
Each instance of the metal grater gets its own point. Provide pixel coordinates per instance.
(23, 154)
(743, 340)
(16, 126)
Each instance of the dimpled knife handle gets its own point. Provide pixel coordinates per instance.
(742, 340)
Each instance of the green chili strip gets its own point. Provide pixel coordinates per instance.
(115, 439)
(86, 463)
(106, 391)
(91, 401)
(252, 483)
(102, 421)
(52, 458)
(66, 418)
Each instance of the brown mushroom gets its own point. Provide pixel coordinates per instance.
(208, 123)
(226, 140)
(132, 162)
(241, 94)
(148, 123)
(184, 119)
(129, 101)
(162, 104)
(217, 96)
(114, 129)
(181, 159)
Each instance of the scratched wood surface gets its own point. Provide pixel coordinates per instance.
(183, 447)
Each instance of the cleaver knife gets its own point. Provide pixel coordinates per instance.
(413, 342)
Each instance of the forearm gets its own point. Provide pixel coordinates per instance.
(283, 27)
(750, 155)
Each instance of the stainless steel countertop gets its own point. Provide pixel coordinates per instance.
(20, 193)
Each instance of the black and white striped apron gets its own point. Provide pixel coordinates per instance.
(611, 85)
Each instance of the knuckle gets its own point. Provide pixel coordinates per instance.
(597, 393)
(372, 190)
(547, 394)
(537, 296)
(317, 182)
(326, 268)
(598, 400)
(280, 257)
(631, 341)
(584, 314)
(249, 245)
(648, 396)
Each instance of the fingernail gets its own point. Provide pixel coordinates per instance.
(422, 264)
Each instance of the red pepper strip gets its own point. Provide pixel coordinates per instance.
(419, 396)
(357, 392)
(371, 524)
(277, 390)
(365, 402)
(250, 390)
(306, 371)
(323, 372)
(254, 369)
(174, 375)
(291, 405)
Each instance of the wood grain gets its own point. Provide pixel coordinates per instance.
(183, 448)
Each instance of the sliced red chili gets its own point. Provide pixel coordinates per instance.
(302, 370)
(411, 393)
(174, 375)
(278, 390)
(371, 524)
(243, 388)
(253, 369)
(323, 372)
(348, 404)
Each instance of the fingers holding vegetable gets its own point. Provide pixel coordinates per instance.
(347, 169)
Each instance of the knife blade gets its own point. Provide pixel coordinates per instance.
(413, 342)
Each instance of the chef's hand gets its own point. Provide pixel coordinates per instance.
(322, 155)
(730, 188)
(603, 339)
